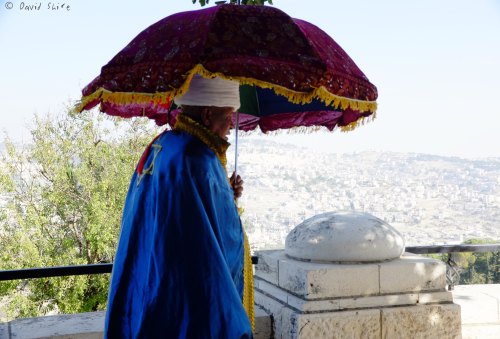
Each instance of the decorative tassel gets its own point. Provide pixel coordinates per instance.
(248, 297)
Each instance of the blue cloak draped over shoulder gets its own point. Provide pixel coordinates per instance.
(178, 271)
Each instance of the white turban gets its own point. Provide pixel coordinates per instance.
(216, 92)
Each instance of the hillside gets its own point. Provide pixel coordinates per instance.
(430, 199)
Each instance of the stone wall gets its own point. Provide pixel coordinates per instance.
(402, 298)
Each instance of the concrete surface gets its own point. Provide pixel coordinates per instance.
(480, 310)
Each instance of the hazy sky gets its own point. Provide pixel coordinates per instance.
(436, 64)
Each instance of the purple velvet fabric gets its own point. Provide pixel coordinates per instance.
(256, 42)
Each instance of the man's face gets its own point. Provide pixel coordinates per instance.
(219, 120)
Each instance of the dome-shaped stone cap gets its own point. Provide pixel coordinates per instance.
(344, 237)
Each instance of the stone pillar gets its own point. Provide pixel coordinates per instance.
(344, 275)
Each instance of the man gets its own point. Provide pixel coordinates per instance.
(182, 260)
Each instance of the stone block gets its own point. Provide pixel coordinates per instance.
(262, 324)
(412, 273)
(74, 326)
(4, 331)
(272, 290)
(315, 280)
(422, 321)
(303, 305)
(267, 268)
(288, 321)
(349, 324)
(272, 307)
(378, 301)
(435, 297)
(340, 304)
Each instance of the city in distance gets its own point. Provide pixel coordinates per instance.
(429, 199)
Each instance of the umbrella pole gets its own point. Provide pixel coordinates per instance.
(237, 127)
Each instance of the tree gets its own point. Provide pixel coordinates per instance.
(484, 268)
(475, 267)
(65, 193)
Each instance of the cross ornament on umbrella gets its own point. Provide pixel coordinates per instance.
(291, 73)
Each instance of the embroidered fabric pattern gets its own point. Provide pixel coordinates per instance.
(255, 45)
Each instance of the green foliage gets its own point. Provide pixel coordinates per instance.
(242, 2)
(480, 268)
(65, 193)
(476, 268)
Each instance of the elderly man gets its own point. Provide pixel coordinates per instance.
(182, 268)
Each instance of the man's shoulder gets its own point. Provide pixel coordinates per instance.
(185, 148)
(181, 141)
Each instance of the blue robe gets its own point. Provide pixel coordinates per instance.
(178, 271)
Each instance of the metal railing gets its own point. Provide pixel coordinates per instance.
(57, 271)
(61, 271)
(452, 268)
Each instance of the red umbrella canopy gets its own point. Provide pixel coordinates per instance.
(291, 73)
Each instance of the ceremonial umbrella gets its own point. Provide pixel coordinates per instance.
(291, 73)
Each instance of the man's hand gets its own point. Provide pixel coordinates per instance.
(237, 185)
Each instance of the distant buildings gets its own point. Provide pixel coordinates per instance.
(430, 199)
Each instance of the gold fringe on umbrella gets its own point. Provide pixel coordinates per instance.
(361, 121)
(123, 98)
(293, 96)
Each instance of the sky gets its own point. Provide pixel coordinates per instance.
(436, 65)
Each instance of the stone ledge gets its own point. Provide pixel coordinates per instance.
(66, 326)
(418, 321)
(475, 317)
(340, 304)
(4, 330)
(310, 280)
(90, 326)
